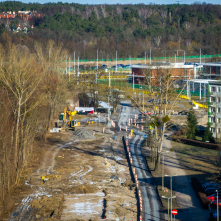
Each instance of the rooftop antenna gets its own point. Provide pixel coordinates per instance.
(178, 2)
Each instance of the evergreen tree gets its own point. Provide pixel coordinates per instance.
(208, 136)
(191, 124)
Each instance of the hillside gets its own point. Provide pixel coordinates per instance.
(129, 29)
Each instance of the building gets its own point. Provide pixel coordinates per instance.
(214, 108)
(177, 70)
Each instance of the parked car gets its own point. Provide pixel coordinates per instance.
(211, 184)
(104, 66)
(183, 112)
(155, 100)
(211, 190)
(214, 196)
(214, 203)
(164, 102)
(186, 63)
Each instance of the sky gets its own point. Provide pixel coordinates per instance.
(126, 1)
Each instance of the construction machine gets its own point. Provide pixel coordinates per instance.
(68, 115)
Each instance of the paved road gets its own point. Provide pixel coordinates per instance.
(151, 206)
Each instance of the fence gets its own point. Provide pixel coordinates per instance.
(152, 58)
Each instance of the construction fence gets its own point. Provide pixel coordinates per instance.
(152, 58)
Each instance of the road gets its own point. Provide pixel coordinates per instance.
(151, 207)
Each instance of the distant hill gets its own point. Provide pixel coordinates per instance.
(129, 29)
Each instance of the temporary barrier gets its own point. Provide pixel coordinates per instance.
(131, 160)
(137, 183)
(134, 170)
(140, 218)
(139, 192)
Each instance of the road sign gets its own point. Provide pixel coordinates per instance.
(143, 103)
(146, 136)
(139, 93)
(174, 212)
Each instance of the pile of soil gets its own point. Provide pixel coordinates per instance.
(48, 206)
(83, 134)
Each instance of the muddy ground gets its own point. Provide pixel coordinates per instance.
(80, 180)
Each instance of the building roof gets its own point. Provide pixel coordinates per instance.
(215, 82)
(166, 66)
(214, 64)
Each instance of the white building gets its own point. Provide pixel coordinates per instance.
(214, 108)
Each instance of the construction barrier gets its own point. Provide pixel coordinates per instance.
(200, 105)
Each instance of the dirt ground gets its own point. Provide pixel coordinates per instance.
(80, 180)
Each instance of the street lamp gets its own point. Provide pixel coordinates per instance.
(165, 54)
(217, 202)
(163, 170)
(168, 218)
(145, 57)
(102, 57)
(171, 192)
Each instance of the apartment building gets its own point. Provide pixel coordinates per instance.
(214, 107)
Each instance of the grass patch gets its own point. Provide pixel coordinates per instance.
(196, 159)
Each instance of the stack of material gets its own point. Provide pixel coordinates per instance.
(83, 134)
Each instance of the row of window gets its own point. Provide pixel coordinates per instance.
(214, 99)
(213, 109)
(212, 120)
(213, 130)
(215, 89)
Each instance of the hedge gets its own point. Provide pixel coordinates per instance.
(197, 143)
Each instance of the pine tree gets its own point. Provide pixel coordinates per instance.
(191, 124)
(208, 136)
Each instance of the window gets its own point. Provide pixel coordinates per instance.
(219, 130)
(218, 120)
(218, 110)
(218, 99)
(213, 89)
(219, 89)
(213, 99)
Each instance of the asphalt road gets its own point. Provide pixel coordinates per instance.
(151, 207)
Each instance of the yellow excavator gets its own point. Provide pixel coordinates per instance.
(68, 115)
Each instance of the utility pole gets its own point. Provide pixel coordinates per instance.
(109, 79)
(145, 57)
(200, 55)
(66, 66)
(150, 55)
(69, 68)
(78, 67)
(116, 61)
(74, 63)
(133, 81)
(97, 59)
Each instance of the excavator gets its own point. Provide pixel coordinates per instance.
(69, 115)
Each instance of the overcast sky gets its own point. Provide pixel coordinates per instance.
(127, 1)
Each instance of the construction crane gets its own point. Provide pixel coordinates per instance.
(69, 115)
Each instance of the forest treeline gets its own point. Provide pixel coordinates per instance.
(31, 90)
(130, 29)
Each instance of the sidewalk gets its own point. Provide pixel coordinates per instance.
(190, 206)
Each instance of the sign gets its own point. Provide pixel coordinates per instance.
(139, 93)
(174, 212)
(143, 103)
(145, 135)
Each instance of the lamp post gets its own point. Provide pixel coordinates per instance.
(168, 218)
(145, 57)
(74, 63)
(116, 61)
(165, 54)
(163, 169)
(171, 192)
(102, 57)
(217, 202)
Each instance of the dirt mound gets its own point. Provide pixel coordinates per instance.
(48, 206)
(129, 184)
(83, 134)
(80, 189)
